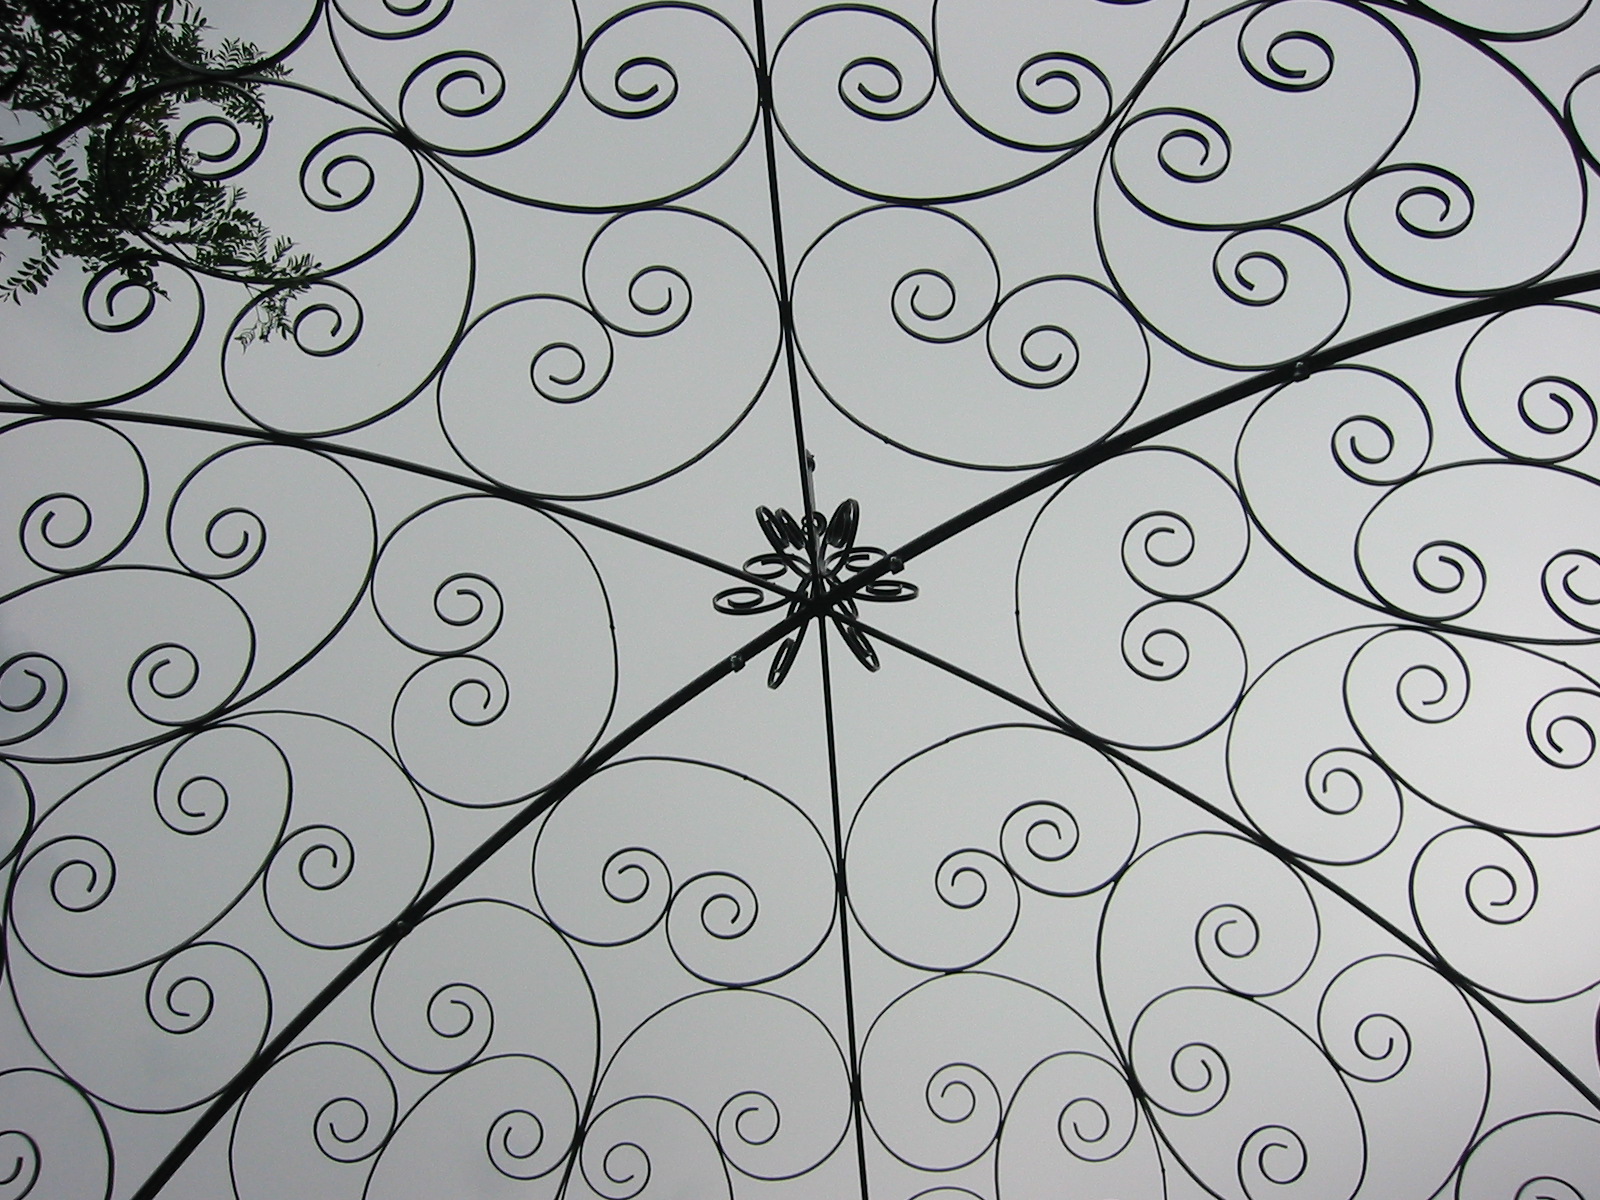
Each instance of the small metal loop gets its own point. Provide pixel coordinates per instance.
(744, 599)
(859, 558)
(843, 524)
(859, 645)
(770, 566)
(780, 528)
(783, 660)
(888, 591)
(792, 529)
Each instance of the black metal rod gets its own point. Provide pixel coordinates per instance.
(314, 444)
(1091, 456)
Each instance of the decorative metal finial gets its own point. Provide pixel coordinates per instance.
(821, 553)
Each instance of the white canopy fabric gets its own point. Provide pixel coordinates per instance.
(1197, 407)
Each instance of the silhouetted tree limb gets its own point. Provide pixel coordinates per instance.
(96, 165)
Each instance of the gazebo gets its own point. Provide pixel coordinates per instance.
(888, 599)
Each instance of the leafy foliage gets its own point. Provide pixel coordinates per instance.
(103, 171)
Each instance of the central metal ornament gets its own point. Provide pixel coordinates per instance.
(821, 554)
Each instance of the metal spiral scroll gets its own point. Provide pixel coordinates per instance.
(381, 813)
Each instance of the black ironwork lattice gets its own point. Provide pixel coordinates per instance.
(379, 818)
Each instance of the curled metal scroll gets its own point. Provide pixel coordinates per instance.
(1260, 340)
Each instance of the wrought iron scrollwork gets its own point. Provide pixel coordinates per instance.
(372, 763)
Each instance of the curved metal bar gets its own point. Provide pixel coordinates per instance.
(479, 486)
